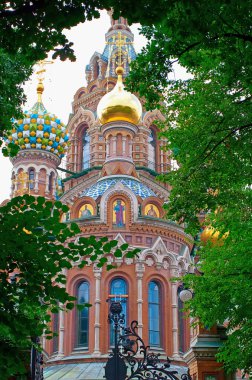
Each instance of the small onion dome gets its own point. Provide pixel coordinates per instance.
(40, 130)
(213, 235)
(119, 105)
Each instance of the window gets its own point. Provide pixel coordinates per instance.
(118, 287)
(154, 314)
(152, 150)
(50, 187)
(85, 150)
(83, 315)
(181, 323)
(31, 179)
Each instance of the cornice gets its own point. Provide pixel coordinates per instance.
(32, 154)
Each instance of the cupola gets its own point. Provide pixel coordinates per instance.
(119, 104)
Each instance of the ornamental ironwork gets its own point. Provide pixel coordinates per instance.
(131, 352)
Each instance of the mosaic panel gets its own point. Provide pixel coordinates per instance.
(99, 188)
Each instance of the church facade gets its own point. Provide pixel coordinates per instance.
(113, 156)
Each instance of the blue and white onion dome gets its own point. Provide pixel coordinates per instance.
(41, 130)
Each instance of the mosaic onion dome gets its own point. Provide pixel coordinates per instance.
(40, 129)
(119, 105)
(134, 185)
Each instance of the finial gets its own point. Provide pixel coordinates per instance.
(41, 77)
(119, 72)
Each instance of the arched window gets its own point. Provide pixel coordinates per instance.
(181, 323)
(118, 287)
(50, 186)
(152, 150)
(55, 328)
(31, 179)
(154, 314)
(85, 150)
(83, 315)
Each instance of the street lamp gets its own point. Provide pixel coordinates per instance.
(186, 295)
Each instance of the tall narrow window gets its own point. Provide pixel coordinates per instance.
(154, 314)
(118, 287)
(85, 150)
(55, 330)
(31, 179)
(181, 323)
(152, 150)
(83, 315)
(50, 187)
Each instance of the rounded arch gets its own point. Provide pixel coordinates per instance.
(82, 316)
(155, 306)
(79, 203)
(83, 147)
(81, 93)
(118, 286)
(155, 201)
(31, 177)
(166, 255)
(93, 88)
(119, 190)
(118, 209)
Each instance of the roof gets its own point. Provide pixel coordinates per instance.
(134, 185)
(87, 371)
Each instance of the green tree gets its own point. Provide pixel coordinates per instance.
(35, 249)
(208, 129)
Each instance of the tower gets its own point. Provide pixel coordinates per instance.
(42, 139)
(114, 156)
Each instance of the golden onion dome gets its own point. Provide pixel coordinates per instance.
(210, 234)
(119, 105)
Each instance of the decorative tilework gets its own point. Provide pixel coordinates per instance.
(100, 187)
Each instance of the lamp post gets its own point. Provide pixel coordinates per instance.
(115, 368)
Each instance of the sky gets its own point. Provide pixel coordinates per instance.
(63, 79)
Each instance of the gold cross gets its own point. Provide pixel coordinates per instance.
(41, 69)
(22, 179)
(41, 77)
(119, 42)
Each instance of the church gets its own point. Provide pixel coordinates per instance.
(113, 159)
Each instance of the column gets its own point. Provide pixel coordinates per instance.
(124, 145)
(97, 303)
(92, 72)
(161, 157)
(61, 332)
(175, 348)
(47, 184)
(100, 69)
(130, 148)
(54, 185)
(139, 276)
(107, 148)
(36, 181)
(113, 145)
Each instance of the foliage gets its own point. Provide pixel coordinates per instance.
(36, 249)
(208, 129)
